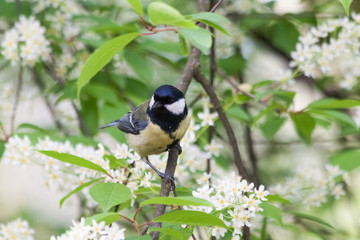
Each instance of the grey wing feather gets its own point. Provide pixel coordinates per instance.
(133, 122)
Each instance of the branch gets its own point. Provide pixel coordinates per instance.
(194, 56)
(187, 74)
(199, 77)
(17, 97)
(166, 187)
(186, 77)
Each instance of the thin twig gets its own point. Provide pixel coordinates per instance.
(250, 143)
(237, 89)
(216, 6)
(40, 85)
(154, 31)
(251, 152)
(212, 80)
(61, 83)
(199, 77)
(17, 97)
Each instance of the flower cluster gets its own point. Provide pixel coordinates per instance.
(58, 175)
(17, 229)
(25, 42)
(313, 186)
(331, 49)
(237, 196)
(95, 231)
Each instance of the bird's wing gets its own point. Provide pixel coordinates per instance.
(134, 121)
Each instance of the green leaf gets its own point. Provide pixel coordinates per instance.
(263, 83)
(102, 56)
(277, 198)
(312, 218)
(90, 114)
(284, 35)
(172, 233)
(103, 92)
(271, 211)
(233, 65)
(200, 38)
(178, 201)
(284, 96)
(346, 4)
(136, 4)
(304, 125)
(140, 64)
(145, 237)
(213, 20)
(271, 126)
(78, 189)
(110, 194)
(9, 10)
(31, 126)
(332, 103)
(107, 217)
(263, 113)
(184, 47)
(109, 113)
(75, 160)
(2, 148)
(336, 115)
(192, 218)
(162, 13)
(347, 160)
(237, 112)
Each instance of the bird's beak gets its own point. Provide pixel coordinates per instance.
(156, 105)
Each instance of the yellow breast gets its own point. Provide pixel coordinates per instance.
(153, 140)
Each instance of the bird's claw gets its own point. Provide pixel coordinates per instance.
(168, 177)
(177, 146)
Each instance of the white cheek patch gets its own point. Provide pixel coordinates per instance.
(177, 107)
(152, 102)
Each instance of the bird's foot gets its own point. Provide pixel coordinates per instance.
(175, 145)
(162, 175)
(166, 176)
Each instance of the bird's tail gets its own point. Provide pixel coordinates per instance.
(112, 124)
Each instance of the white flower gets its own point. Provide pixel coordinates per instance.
(17, 229)
(204, 179)
(261, 194)
(96, 228)
(220, 231)
(122, 151)
(113, 233)
(207, 117)
(203, 192)
(245, 187)
(213, 148)
(338, 191)
(146, 180)
(29, 36)
(250, 203)
(331, 49)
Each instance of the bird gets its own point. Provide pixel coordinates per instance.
(156, 125)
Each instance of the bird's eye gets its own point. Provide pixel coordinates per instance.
(170, 101)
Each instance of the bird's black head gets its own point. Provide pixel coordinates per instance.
(167, 107)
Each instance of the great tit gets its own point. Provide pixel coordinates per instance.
(157, 124)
